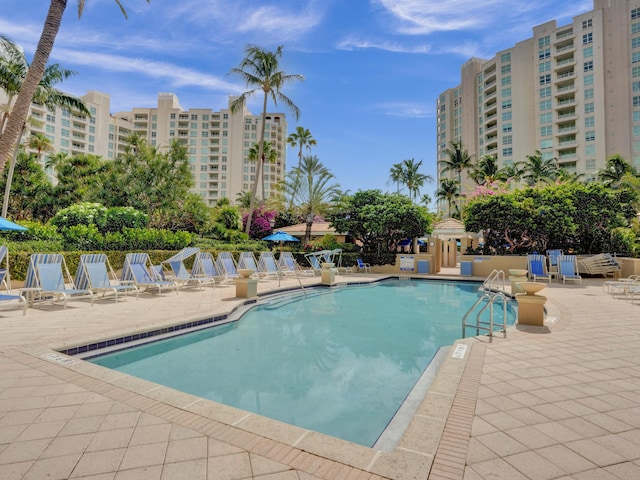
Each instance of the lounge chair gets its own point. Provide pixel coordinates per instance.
(621, 285)
(47, 276)
(537, 267)
(552, 255)
(314, 261)
(226, 265)
(268, 266)
(95, 273)
(137, 269)
(360, 265)
(181, 274)
(336, 255)
(568, 268)
(287, 263)
(5, 280)
(600, 264)
(204, 266)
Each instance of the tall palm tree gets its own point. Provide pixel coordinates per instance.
(41, 143)
(315, 189)
(537, 170)
(260, 70)
(615, 169)
(412, 178)
(448, 191)
(395, 175)
(270, 155)
(514, 171)
(459, 160)
(487, 170)
(301, 138)
(18, 115)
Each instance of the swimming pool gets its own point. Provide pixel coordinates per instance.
(339, 362)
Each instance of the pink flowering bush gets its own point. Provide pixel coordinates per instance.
(261, 222)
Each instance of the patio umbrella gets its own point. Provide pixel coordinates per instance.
(7, 225)
(407, 241)
(280, 236)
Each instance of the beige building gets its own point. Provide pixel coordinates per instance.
(218, 142)
(572, 92)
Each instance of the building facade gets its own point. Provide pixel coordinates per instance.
(218, 142)
(571, 92)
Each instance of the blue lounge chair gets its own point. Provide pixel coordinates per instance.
(247, 260)
(553, 259)
(180, 272)
(287, 263)
(568, 268)
(5, 281)
(268, 266)
(95, 273)
(226, 265)
(47, 276)
(360, 265)
(204, 266)
(137, 269)
(537, 266)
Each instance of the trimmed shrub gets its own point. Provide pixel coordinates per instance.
(124, 217)
(81, 214)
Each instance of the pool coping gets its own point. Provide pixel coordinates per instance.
(413, 457)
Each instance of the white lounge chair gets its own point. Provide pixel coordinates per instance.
(5, 281)
(181, 274)
(247, 261)
(226, 265)
(568, 268)
(204, 266)
(95, 273)
(48, 277)
(288, 265)
(137, 269)
(268, 266)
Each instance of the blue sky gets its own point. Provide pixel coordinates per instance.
(373, 68)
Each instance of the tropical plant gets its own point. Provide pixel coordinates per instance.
(458, 160)
(18, 115)
(260, 70)
(538, 171)
(448, 191)
(487, 170)
(395, 175)
(243, 199)
(413, 178)
(314, 187)
(269, 155)
(514, 171)
(615, 170)
(301, 138)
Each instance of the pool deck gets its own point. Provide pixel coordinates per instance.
(554, 402)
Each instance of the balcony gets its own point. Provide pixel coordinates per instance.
(565, 75)
(566, 48)
(571, 61)
(566, 129)
(565, 34)
(566, 115)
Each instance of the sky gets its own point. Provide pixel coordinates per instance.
(373, 69)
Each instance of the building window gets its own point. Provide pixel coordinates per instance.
(506, 127)
(51, 118)
(588, 79)
(506, 104)
(635, 42)
(589, 107)
(588, 94)
(544, 67)
(545, 105)
(587, 38)
(546, 144)
(636, 130)
(64, 132)
(546, 118)
(636, 101)
(589, 121)
(172, 116)
(635, 13)
(587, 23)
(544, 53)
(544, 41)
(545, 79)
(506, 116)
(587, 52)
(591, 163)
(635, 27)
(505, 57)
(590, 135)
(505, 69)
(588, 66)
(194, 116)
(545, 92)
(636, 116)
(507, 152)
(50, 129)
(506, 80)
(546, 131)
(635, 57)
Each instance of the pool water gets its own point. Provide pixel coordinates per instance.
(339, 362)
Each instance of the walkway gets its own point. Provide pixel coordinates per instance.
(559, 405)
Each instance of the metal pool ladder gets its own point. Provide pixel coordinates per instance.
(491, 292)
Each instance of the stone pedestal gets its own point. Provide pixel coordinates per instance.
(531, 309)
(516, 278)
(328, 274)
(246, 287)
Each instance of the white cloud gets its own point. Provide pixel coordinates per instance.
(405, 109)
(175, 75)
(357, 44)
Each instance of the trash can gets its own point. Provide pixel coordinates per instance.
(424, 266)
(466, 268)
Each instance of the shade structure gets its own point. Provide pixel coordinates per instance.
(280, 237)
(7, 225)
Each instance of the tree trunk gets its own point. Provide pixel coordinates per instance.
(254, 189)
(307, 232)
(18, 116)
(7, 187)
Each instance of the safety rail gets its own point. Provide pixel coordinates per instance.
(489, 298)
(495, 282)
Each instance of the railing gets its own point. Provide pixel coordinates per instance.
(495, 282)
(488, 298)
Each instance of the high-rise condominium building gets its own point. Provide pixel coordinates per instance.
(571, 92)
(218, 142)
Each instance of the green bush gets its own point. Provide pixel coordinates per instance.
(37, 232)
(124, 217)
(81, 214)
(82, 237)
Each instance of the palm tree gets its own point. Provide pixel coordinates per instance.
(412, 178)
(459, 160)
(537, 170)
(301, 138)
(243, 199)
(41, 143)
(314, 187)
(448, 191)
(487, 170)
(260, 70)
(514, 171)
(615, 169)
(18, 116)
(270, 154)
(395, 175)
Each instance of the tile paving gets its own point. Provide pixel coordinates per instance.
(557, 403)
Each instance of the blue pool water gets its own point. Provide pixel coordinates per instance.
(339, 362)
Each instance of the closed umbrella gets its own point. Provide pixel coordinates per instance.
(7, 225)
